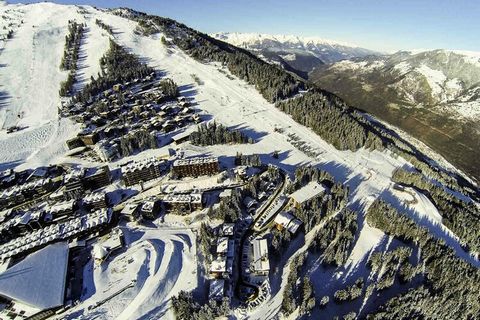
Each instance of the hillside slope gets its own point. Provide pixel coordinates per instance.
(433, 95)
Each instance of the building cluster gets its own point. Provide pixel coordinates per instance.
(55, 232)
(133, 115)
(221, 269)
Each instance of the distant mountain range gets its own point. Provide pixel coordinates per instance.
(297, 54)
(434, 95)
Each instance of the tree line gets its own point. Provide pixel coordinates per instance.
(213, 133)
(463, 218)
(70, 55)
(104, 26)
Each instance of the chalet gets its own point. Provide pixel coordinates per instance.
(95, 201)
(181, 137)
(74, 143)
(285, 220)
(183, 203)
(88, 137)
(62, 210)
(150, 209)
(131, 212)
(221, 267)
(73, 186)
(141, 171)
(96, 178)
(227, 229)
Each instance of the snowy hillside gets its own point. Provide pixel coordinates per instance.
(30, 78)
(161, 258)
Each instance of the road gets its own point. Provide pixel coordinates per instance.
(254, 231)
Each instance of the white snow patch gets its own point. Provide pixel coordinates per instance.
(435, 78)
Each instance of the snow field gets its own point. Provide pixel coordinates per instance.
(157, 264)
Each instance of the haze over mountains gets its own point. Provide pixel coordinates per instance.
(300, 54)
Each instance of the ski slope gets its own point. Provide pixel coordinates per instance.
(30, 79)
(157, 264)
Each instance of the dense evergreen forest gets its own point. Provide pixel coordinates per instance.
(70, 56)
(213, 133)
(451, 286)
(460, 216)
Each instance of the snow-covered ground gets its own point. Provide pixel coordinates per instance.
(158, 263)
(30, 79)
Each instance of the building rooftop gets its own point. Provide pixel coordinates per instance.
(222, 245)
(260, 255)
(139, 165)
(183, 198)
(38, 280)
(219, 264)
(217, 287)
(307, 192)
(197, 160)
(227, 229)
(94, 197)
(288, 221)
(54, 232)
(60, 206)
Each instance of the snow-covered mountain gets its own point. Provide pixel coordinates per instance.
(299, 53)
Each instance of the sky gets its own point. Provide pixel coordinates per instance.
(384, 25)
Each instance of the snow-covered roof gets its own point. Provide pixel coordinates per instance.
(227, 229)
(309, 191)
(260, 255)
(183, 198)
(99, 251)
(192, 161)
(38, 280)
(54, 232)
(219, 264)
(94, 197)
(288, 221)
(142, 164)
(222, 245)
